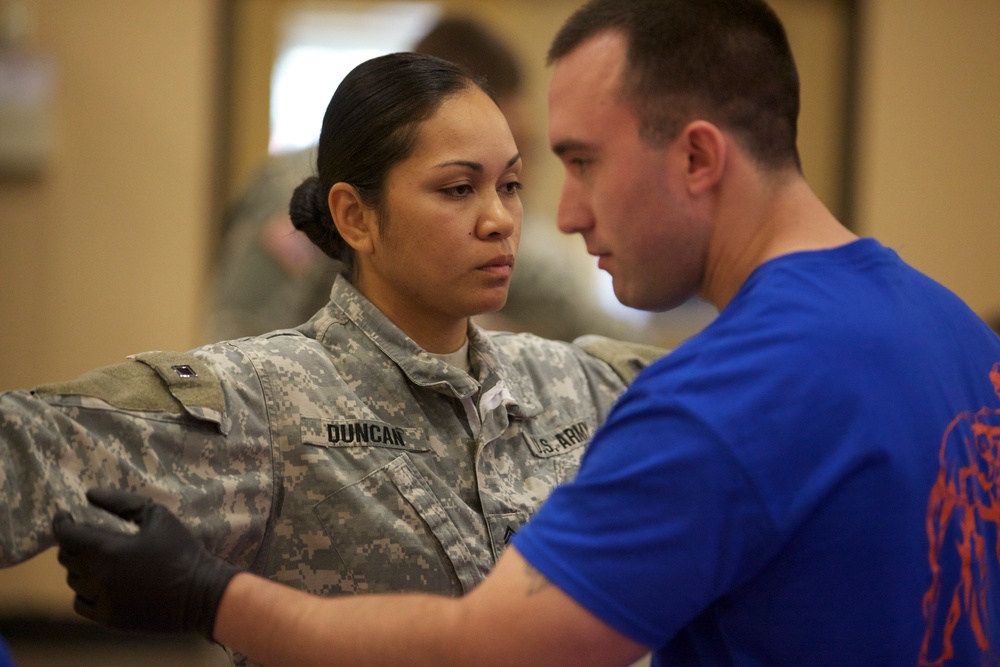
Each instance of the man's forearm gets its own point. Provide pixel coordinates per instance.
(515, 617)
(162, 579)
(277, 625)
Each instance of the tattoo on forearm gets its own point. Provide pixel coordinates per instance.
(537, 581)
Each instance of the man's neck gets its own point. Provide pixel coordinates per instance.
(760, 219)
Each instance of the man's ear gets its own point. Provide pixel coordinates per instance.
(707, 150)
(356, 223)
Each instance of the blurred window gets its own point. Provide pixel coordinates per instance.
(319, 44)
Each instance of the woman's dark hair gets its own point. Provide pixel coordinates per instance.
(371, 124)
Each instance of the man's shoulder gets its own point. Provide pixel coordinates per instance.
(624, 358)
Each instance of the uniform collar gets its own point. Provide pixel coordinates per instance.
(491, 366)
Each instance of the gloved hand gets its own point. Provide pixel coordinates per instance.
(159, 580)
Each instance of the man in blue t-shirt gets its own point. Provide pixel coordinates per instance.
(812, 480)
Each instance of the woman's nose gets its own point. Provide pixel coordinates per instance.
(499, 218)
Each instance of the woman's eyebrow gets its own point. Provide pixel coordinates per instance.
(476, 166)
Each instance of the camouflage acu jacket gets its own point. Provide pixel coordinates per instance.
(338, 458)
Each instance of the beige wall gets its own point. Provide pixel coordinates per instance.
(929, 173)
(105, 255)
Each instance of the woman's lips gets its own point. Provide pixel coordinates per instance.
(501, 265)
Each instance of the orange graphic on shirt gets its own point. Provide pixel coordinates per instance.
(963, 518)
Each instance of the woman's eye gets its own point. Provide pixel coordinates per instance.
(458, 190)
(512, 188)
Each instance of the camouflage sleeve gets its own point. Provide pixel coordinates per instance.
(625, 358)
(163, 424)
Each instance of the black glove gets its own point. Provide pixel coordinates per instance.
(160, 579)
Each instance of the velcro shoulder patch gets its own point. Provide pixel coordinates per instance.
(189, 380)
(171, 382)
(625, 358)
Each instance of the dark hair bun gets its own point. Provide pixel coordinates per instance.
(310, 214)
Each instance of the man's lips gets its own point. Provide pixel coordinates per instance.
(602, 259)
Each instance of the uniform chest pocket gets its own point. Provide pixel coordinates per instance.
(519, 473)
(393, 534)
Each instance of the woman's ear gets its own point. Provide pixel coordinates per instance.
(356, 223)
(707, 150)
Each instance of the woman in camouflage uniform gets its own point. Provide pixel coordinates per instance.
(386, 444)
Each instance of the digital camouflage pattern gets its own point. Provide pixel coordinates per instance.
(338, 458)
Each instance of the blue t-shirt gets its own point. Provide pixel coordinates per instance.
(5, 658)
(811, 480)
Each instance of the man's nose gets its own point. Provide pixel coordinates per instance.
(574, 215)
